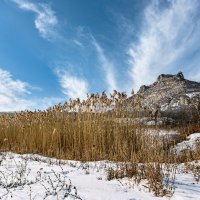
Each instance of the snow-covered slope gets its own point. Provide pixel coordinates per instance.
(24, 177)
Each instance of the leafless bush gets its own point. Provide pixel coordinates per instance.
(18, 178)
(160, 177)
(59, 186)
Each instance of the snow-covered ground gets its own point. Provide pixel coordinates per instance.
(24, 177)
(162, 132)
(192, 94)
(189, 144)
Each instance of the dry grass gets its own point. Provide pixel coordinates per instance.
(79, 136)
(98, 128)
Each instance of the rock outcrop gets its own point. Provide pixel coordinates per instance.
(169, 92)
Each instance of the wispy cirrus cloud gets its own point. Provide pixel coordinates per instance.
(72, 86)
(107, 66)
(78, 43)
(12, 92)
(15, 95)
(168, 36)
(45, 20)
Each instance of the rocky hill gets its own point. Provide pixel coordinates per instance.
(168, 92)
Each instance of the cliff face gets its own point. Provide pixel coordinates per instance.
(169, 92)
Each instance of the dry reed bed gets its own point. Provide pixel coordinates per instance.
(83, 136)
(79, 136)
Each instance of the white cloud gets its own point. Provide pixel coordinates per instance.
(15, 95)
(9, 86)
(72, 86)
(12, 92)
(168, 35)
(78, 43)
(45, 20)
(107, 66)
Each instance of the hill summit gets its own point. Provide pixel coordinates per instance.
(169, 92)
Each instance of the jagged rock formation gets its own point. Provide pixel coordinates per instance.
(169, 92)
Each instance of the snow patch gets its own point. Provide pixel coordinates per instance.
(189, 144)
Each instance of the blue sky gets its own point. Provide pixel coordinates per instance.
(51, 51)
